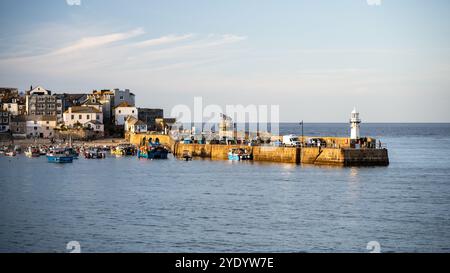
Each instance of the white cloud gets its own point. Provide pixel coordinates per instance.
(98, 41)
(164, 40)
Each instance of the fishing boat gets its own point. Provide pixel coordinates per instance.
(32, 151)
(94, 153)
(59, 156)
(153, 152)
(239, 154)
(186, 155)
(10, 153)
(124, 150)
(72, 152)
(43, 150)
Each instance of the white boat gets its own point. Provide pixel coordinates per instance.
(32, 152)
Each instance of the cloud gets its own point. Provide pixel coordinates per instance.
(164, 40)
(124, 53)
(98, 41)
(73, 2)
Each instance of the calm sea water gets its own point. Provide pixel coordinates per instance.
(128, 205)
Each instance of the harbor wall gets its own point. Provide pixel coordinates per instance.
(342, 156)
(136, 139)
(307, 155)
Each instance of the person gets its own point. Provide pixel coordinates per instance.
(379, 144)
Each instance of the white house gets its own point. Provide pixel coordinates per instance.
(12, 107)
(41, 126)
(123, 111)
(134, 125)
(80, 115)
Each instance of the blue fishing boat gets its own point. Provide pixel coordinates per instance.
(59, 156)
(153, 150)
(159, 152)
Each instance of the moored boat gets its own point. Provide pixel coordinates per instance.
(94, 153)
(239, 154)
(59, 156)
(32, 152)
(159, 152)
(11, 153)
(124, 150)
(72, 152)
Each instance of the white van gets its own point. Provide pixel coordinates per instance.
(291, 140)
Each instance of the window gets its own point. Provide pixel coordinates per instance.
(120, 111)
(132, 111)
(80, 117)
(124, 118)
(48, 122)
(121, 97)
(88, 117)
(48, 128)
(98, 117)
(73, 117)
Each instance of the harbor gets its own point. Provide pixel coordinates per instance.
(316, 150)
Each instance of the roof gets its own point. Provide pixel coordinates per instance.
(83, 109)
(134, 121)
(124, 104)
(89, 102)
(41, 118)
(95, 122)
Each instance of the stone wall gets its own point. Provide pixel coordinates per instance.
(366, 157)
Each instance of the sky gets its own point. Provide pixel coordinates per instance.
(315, 59)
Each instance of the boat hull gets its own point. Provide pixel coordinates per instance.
(160, 154)
(59, 159)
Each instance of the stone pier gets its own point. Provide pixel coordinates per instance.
(340, 156)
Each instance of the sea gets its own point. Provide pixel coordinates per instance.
(131, 205)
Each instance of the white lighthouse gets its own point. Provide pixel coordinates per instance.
(355, 122)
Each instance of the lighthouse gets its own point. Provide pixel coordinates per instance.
(355, 122)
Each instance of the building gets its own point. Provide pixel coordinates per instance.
(12, 106)
(41, 102)
(41, 126)
(4, 121)
(149, 116)
(122, 112)
(165, 124)
(123, 96)
(92, 102)
(355, 123)
(18, 126)
(7, 93)
(134, 125)
(96, 126)
(80, 115)
(106, 99)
